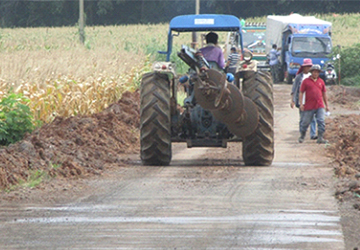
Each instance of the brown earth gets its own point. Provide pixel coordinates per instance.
(75, 147)
(71, 149)
(343, 133)
(80, 146)
(68, 152)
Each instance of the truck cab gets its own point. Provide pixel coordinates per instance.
(254, 40)
(305, 41)
(298, 37)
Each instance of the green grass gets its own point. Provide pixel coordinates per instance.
(34, 178)
(181, 95)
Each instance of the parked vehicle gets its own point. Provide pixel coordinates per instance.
(253, 35)
(330, 74)
(215, 111)
(254, 38)
(299, 37)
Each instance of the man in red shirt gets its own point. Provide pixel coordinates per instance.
(315, 97)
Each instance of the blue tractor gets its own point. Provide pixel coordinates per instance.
(218, 109)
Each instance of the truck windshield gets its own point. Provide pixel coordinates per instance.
(311, 46)
(254, 40)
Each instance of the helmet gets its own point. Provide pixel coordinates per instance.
(315, 67)
(247, 55)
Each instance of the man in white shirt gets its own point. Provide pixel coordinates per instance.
(274, 53)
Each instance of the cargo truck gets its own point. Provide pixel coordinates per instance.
(298, 37)
(253, 35)
(254, 40)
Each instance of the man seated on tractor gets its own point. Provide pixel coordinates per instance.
(212, 52)
(247, 64)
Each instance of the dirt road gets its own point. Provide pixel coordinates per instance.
(206, 199)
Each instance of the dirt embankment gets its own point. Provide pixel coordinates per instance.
(75, 146)
(87, 145)
(343, 133)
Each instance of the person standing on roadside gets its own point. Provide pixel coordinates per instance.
(274, 53)
(303, 73)
(233, 61)
(315, 103)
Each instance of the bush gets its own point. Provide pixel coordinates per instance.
(351, 81)
(349, 64)
(15, 118)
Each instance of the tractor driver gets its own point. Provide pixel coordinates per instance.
(212, 52)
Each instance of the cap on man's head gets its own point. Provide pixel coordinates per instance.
(233, 49)
(315, 67)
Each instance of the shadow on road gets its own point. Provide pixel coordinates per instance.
(209, 162)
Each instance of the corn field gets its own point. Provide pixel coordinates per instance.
(63, 77)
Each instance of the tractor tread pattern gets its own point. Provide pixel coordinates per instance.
(258, 148)
(155, 122)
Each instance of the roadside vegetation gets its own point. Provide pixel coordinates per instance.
(49, 71)
(15, 118)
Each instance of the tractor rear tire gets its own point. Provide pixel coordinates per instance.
(258, 148)
(155, 120)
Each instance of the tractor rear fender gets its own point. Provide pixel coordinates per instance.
(165, 68)
(168, 68)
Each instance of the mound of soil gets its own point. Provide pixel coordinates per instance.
(87, 145)
(343, 133)
(75, 146)
(345, 96)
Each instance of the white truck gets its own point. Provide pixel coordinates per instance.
(298, 37)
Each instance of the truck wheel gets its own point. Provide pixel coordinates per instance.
(258, 148)
(281, 74)
(289, 79)
(155, 123)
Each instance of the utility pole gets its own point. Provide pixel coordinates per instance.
(81, 21)
(197, 7)
(338, 57)
(194, 35)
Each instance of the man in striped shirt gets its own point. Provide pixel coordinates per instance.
(233, 61)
